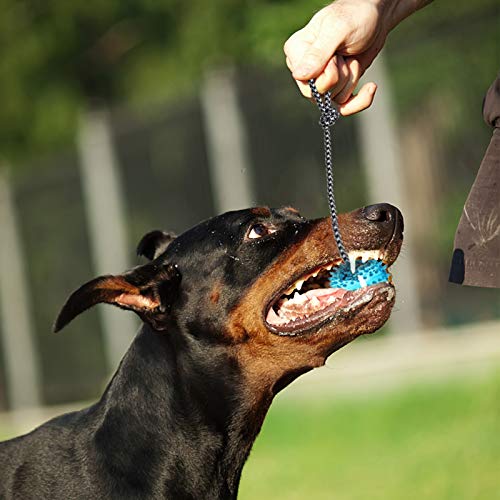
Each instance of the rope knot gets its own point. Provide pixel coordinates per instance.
(328, 117)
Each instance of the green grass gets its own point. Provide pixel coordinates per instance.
(432, 442)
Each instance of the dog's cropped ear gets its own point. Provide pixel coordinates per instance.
(147, 290)
(154, 244)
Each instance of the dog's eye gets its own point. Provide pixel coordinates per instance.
(260, 230)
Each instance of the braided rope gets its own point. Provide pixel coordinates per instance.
(329, 115)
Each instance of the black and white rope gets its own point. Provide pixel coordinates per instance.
(329, 115)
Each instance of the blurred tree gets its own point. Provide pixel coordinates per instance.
(57, 55)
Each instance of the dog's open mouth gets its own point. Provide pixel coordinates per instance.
(310, 301)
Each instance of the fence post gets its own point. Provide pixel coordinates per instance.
(104, 207)
(230, 170)
(20, 358)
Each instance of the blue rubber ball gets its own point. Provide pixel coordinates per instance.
(372, 271)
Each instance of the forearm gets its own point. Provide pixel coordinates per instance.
(400, 9)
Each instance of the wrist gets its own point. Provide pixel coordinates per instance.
(398, 10)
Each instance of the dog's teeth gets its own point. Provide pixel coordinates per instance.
(299, 284)
(352, 261)
(364, 257)
(328, 267)
(362, 281)
(298, 298)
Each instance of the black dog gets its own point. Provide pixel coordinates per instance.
(233, 310)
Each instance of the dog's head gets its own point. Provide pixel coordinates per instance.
(256, 281)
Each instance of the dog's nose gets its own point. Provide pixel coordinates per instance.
(381, 212)
(386, 214)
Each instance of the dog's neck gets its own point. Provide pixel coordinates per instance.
(178, 419)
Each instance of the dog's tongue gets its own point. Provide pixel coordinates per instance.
(302, 305)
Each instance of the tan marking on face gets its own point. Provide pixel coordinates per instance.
(266, 357)
(261, 211)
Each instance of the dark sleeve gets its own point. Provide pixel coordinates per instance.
(476, 258)
(491, 104)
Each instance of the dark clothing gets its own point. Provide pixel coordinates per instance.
(491, 107)
(476, 258)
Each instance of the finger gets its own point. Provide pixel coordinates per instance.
(354, 74)
(296, 46)
(333, 77)
(318, 53)
(304, 88)
(359, 102)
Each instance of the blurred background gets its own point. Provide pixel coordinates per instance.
(120, 117)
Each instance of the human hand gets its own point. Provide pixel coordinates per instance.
(337, 46)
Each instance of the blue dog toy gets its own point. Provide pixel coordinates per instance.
(371, 273)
